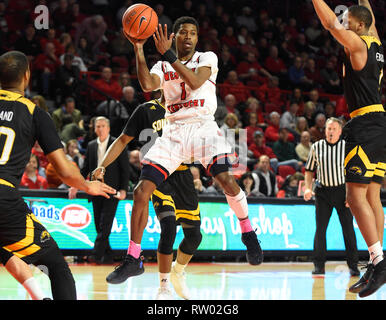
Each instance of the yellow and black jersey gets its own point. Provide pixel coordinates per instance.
(21, 124)
(363, 88)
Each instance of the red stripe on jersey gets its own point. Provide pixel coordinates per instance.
(220, 157)
(157, 167)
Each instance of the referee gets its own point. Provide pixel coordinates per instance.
(327, 158)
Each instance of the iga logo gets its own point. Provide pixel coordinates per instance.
(75, 216)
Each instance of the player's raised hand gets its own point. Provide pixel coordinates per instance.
(135, 42)
(97, 188)
(162, 41)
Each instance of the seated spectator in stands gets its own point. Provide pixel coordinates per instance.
(40, 102)
(93, 29)
(107, 85)
(51, 37)
(68, 77)
(28, 43)
(330, 79)
(313, 96)
(247, 184)
(77, 61)
(85, 52)
(290, 186)
(270, 92)
(288, 118)
(246, 19)
(124, 79)
(258, 147)
(313, 31)
(89, 136)
(61, 16)
(329, 110)
(309, 113)
(285, 150)
(226, 64)
(274, 64)
(67, 108)
(231, 122)
(265, 179)
(43, 161)
(312, 73)
(129, 100)
(271, 133)
(46, 65)
(318, 130)
(213, 190)
(71, 130)
(253, 127)
(31, 178)
(231, 105)
(134, 168)
(77, 17)
(73, 154)
(232, 85)
(296, 96)
(229, 38)
(304, 146)
(253, 106)
(296, 73)
(251, 72)
(301, 126)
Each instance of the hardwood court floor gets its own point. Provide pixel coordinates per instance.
(209, 281)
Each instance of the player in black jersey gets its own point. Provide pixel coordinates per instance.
(23, 239)
(365, 161)
(175, 201)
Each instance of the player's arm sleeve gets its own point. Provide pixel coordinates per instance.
(135, 124)
(209, 59)
(45, 131)
(158, 69)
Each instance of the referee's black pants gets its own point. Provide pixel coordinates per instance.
(327, 198)
(104, 213)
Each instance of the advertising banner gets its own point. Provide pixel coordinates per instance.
(280, 227)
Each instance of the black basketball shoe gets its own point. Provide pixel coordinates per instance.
(254, 252)
(377, 279)
(361, 283)
(129, 267)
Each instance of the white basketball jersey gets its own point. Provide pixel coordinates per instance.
(180, 100)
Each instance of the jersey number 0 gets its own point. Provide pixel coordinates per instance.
(8, 144)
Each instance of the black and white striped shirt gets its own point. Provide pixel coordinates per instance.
(328, 160)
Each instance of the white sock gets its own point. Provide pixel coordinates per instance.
(238, 204)
(164, 280)
(376, 253)
(179, 267)
(33, 289)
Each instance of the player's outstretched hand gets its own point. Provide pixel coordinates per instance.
(97, 188)
(162, 41)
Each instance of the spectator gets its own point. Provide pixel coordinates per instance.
(231, 105)
(265, 179)
(253, 106)
(62, 17)
(252, 127)
(318, 130)
(329, 110)
(231, 122)
(72, 152)
(234, 86)
(129, 101)
(162, 17)
(229, 38)
(270, 93)
(124, 79)
(272, 131)
(51, 37)
(245, 19)
(85, 52)
(197, 180)
(301, 126)
(313, 96)
(28, 43)
(31, 178)
(67, 108)
(40, 102)
(285, 151)
(71, 130)
(89, 136)
(309, 113)
(258, 148)
(274, 64)
(297, 97)
(46, 64)
(247, 184)
(93, 29)
(288, 118)
(214, 189)
(77, 18)
(43, 161)
(330, 79)
(107, 85)
(250, 70)
(296, 73)
(77, 61)
(312, 73)
(68, 77)
(303, 148)
(290, 186)
(226, 64)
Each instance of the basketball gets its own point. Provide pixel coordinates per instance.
(139, 21)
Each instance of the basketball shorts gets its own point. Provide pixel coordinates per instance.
(21, 233)
(365, 153)
(177, 195)
(188, 142)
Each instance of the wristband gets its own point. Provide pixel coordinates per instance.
(169, 56)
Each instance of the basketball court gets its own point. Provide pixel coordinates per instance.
(209, 281)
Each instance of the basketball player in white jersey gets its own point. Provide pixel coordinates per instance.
(188, 81)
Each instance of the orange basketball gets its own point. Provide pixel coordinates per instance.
(139, 21)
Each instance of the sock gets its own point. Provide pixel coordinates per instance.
(134, 249)
(376, 253)
(33, 289)
(164, 279)
(238, 204)
(179, 267)
(245, 225)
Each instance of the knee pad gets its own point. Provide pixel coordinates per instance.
(191, 241)
(168, 234)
